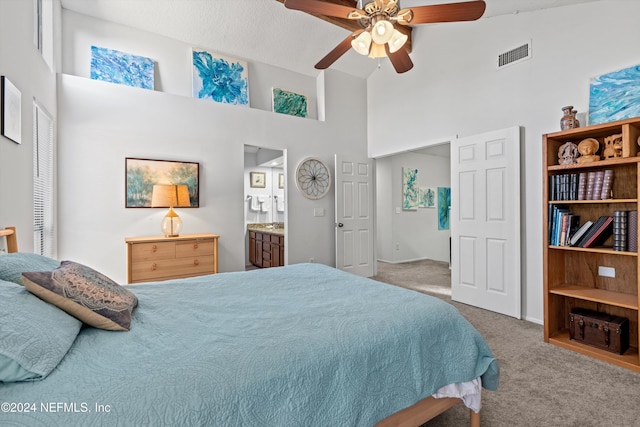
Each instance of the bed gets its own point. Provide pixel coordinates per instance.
(300, 345)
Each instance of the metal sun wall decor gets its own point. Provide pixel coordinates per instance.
(290, 103)
(220, 78)
(410, 189)
(615, 96)
(444, 202)
(113, 66)
(142, 174)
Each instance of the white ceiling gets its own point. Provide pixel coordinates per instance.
(262, 30)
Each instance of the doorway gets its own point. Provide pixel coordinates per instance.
(407, 234)
(264, 191)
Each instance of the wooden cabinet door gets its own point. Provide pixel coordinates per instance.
(252, 247)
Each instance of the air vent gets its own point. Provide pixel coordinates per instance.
(514, 56)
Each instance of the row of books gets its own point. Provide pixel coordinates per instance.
(565, 229)
(593, 185)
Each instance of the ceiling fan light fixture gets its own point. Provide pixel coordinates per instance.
(382, 31)
(397, 41)
(377, 51)
(362, 43)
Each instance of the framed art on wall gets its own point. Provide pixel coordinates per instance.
(123, 68)
(258, 179)
(220, 78)
(11, 110)
(142, 174)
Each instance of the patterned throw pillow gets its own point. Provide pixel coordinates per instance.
(85, 294)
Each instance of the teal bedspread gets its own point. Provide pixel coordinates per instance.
(303, 345)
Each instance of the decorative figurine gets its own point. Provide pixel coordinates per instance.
(568, 120)
(612, 146)
(567, 153)
(588, 149)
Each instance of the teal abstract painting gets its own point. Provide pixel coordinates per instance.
(122, 68)
(615, 96)
(220, 78)
(410, 189)
(444, 202)
(291, 103)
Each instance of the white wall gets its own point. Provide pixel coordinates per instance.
(455, 88)
(101, 123)
(410, 235)
(23, 65)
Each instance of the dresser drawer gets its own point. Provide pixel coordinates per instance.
(171, 268)
(192, 248)
(156, 258)
(153, 251)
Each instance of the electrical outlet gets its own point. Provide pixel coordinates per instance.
(312, 260)
(606, 271)
(397, 246)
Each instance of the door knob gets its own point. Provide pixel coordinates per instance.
(340, 224)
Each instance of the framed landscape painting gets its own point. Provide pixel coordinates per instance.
(142, 174)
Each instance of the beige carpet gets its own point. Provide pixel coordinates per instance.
(541, 385)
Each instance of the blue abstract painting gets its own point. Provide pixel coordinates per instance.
(291, 103)
(410, 189)
(615, 96)
(444, 202)
(220, 78)
(122, 68)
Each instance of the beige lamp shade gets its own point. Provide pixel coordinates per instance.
(169, 195)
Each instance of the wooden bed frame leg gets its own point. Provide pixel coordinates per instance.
(475, 418)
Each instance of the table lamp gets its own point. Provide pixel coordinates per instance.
(170, 195)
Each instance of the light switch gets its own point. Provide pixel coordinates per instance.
(318, 211)
(398, 210)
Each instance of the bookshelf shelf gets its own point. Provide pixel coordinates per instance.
(570, 273)
(600, 250)
(598, 295)
(587, 202)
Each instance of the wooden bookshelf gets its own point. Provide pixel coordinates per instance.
(570, 274)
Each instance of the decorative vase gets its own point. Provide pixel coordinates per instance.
(568, 120)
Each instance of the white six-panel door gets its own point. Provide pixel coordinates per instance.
(354, 215)
(485, 221)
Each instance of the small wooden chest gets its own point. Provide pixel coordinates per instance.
(600, 330)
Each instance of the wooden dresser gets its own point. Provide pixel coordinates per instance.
(162, 258)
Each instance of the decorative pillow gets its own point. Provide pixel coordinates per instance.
(13, 265)
(85, 294)
(34, 335)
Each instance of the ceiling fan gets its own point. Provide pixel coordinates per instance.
(379, 37)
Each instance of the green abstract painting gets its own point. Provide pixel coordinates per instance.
(291, 103)
(410, 189)
(444, 202)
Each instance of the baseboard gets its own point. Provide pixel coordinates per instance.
(409, 260)
(534, 320)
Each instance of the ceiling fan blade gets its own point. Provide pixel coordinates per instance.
(399, 59)
(451, 12)
(336, 53)
(323, 8)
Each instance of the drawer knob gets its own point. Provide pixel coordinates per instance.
(195, 246)
(196, 262)
(154, 248)
(154, 266)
